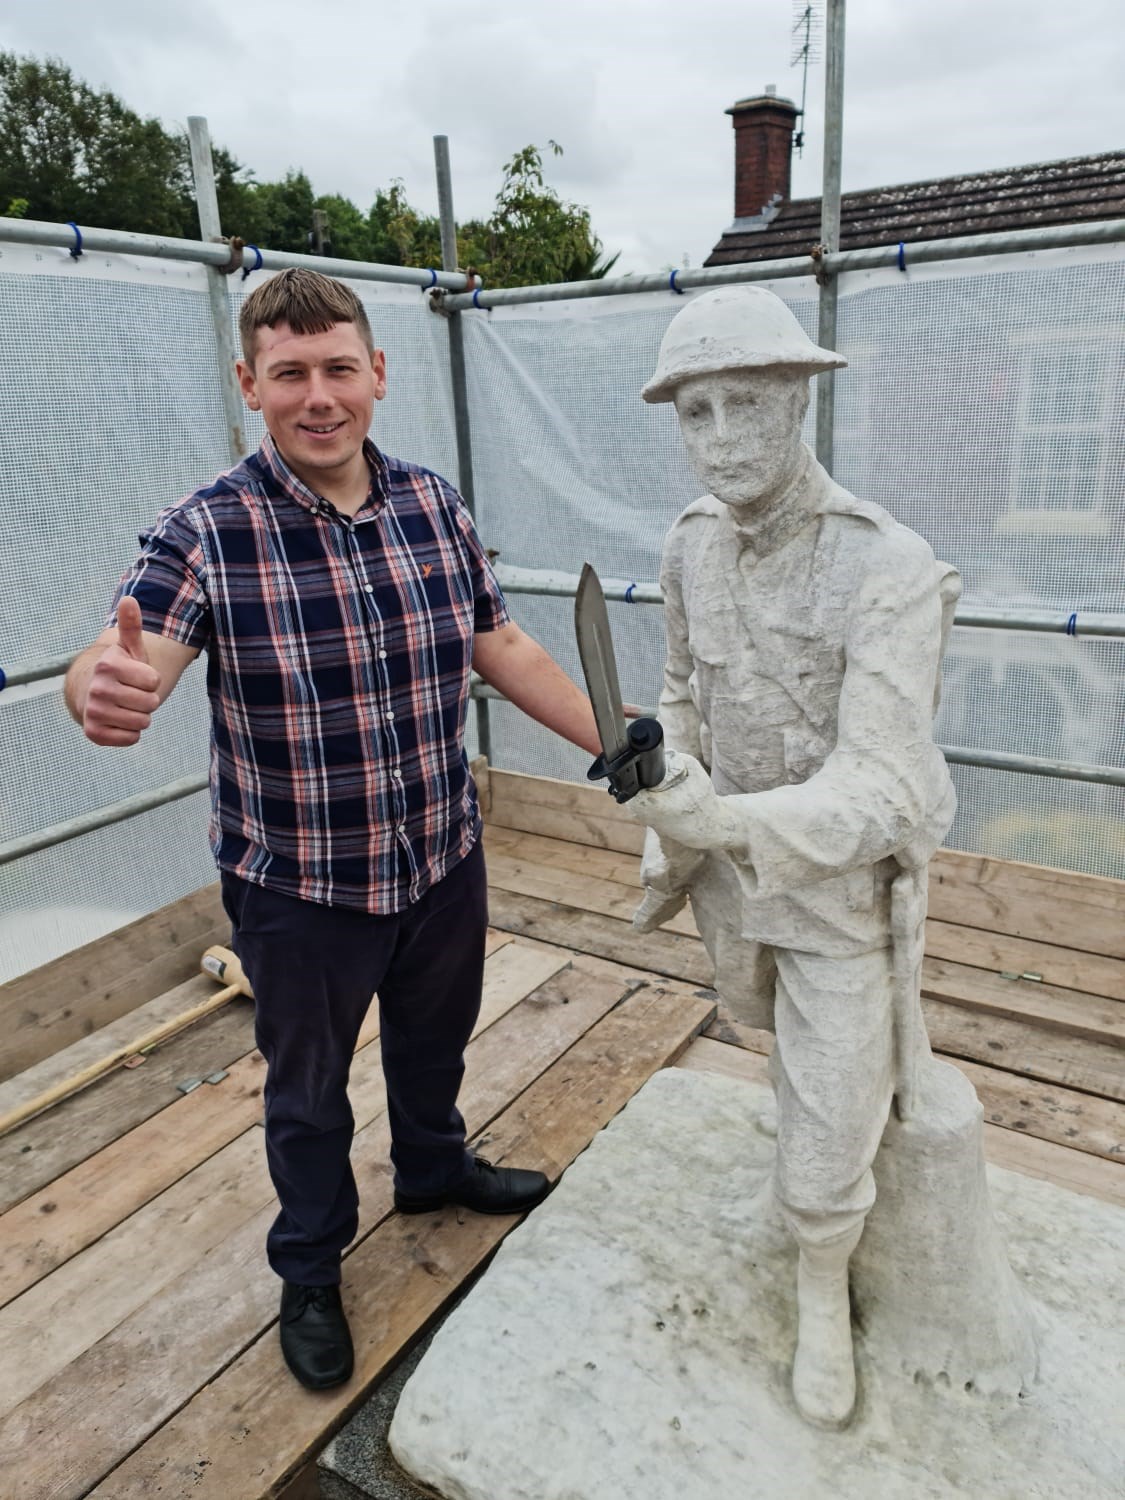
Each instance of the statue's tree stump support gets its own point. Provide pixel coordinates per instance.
(932, 1288)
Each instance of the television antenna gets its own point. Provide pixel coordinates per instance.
(807, 33)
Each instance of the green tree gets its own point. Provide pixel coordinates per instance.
(74, 153)
(535, 237)
(531, 236)
(347, 227)
(68, 151)
(397, 234)
(277, 215)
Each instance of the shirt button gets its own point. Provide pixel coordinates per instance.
(390, 713)
(368, 588)
(396, 773)
(382, 656)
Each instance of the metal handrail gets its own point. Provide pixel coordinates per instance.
(548, 583)
(966, 247)
(130, 807)
(248, 258)
(551, 584)
(101, 817)
(958, 755)
(459, 294)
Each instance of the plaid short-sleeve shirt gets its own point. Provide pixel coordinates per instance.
(338, 658)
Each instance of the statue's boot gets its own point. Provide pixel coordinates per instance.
(824, 1367)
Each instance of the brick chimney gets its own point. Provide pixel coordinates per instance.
(763, 152)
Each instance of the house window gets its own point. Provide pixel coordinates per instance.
(1060, 447)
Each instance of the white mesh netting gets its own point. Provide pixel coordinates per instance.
(982, 406)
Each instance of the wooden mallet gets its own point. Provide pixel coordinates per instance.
(219, 963)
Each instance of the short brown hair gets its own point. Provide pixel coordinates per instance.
(308, 301)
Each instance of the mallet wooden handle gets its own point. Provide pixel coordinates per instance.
(220, 963)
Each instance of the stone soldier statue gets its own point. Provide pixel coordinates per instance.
(805, 632)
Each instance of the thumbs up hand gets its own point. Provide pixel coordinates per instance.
(124, 690)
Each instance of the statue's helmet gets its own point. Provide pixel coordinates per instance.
(734, 328)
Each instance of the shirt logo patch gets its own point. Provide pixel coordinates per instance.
(427, 569)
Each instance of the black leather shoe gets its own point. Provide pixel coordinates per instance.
(314, 1335)
(486, 1190)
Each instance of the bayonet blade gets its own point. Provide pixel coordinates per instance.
(595, 649)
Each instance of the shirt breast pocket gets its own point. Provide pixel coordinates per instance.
(713, 638)
(440, 587)
(709, 682)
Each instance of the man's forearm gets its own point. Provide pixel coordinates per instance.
(546, 694)
(527, 676)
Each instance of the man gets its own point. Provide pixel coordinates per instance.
(805, 630)
(341, 597)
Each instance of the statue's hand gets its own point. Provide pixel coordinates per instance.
(685, 807)
(666, 872)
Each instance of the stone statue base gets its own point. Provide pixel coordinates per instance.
(633, 1340)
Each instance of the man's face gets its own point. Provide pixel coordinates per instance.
(742, 429)
(317, 393)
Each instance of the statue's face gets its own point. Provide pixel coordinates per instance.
(742, 429)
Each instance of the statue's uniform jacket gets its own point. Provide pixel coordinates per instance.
(804, 644)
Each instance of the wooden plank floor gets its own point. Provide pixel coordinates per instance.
(1023, 981)
(138, 1346)
(138, 1343)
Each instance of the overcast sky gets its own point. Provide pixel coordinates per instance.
(353, 91)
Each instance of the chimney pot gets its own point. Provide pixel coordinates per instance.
(763, 151)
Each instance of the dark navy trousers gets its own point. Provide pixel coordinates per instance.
(314, 970)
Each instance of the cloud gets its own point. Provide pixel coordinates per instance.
(130, 45)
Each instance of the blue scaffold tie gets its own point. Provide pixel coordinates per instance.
(257, 266)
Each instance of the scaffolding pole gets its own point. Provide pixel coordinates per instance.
(459, 381)
(210, 228)
(552, 583)
(548, 583)
(830, 223)
(482, 693)
(102, 817)
(873, 258)
(1034, 765)
(37, 671)
(250, 258)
